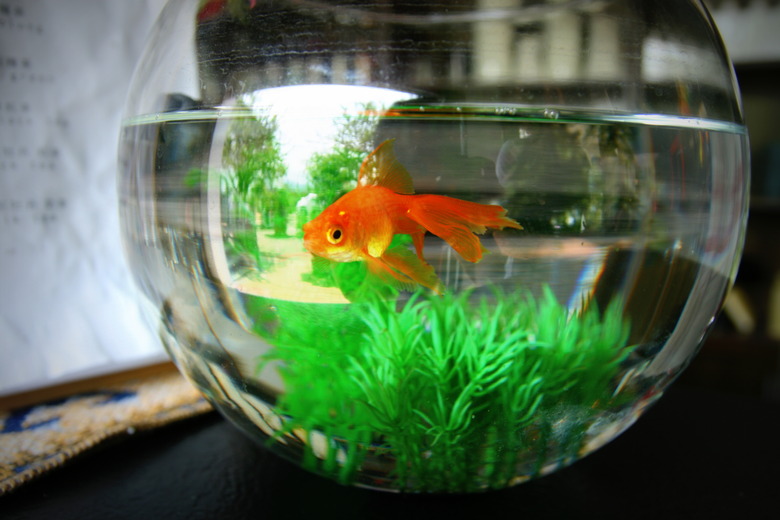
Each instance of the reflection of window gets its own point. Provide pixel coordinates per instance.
(584, 46)
(669, 60)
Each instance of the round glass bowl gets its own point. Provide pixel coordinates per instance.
(439, 247)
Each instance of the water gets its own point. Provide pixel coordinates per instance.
(544, 350)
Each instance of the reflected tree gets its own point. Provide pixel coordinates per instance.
(253, 157)
(334, 173)
(252, 189)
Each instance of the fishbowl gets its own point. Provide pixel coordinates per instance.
(433, 247)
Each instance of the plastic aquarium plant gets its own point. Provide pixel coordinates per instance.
(455, 395)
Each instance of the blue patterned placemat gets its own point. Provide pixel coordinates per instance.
(35, 439)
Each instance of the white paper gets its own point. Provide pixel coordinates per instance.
(67, 304)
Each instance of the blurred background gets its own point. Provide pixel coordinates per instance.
(743, 352)
(68, 310)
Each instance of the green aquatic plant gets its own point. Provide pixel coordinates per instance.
(456, 390)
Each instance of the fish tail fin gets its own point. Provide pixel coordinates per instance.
(456, 221)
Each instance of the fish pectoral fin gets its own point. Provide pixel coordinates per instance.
(377, 246)
(380, 239)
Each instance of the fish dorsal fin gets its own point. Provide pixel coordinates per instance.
(381, 168)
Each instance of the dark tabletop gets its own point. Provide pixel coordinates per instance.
(698, 453)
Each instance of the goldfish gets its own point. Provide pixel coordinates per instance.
(361, 224)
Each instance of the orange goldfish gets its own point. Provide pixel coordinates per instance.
(361, 224)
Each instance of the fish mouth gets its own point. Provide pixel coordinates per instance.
(311, 246)
(307, 235)
(307, 243)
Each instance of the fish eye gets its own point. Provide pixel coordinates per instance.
(335, 235)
